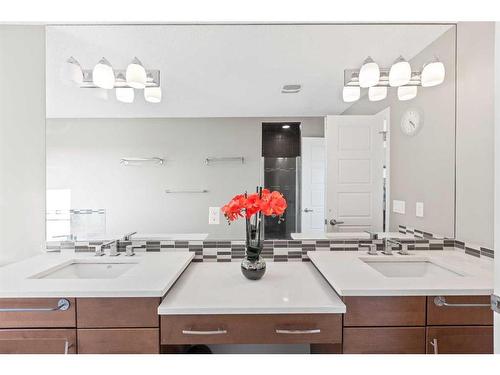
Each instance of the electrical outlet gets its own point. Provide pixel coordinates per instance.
(419, 209)
(213, 215)
(398, 207)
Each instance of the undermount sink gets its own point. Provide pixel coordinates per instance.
(79, 269)
(409, 268)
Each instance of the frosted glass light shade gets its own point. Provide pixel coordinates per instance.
(136, 74)
(369, 74)
(103, 74)
(400, 73)
(152, 94)
(377, 93)
(73, 71)
(351, 93)
(433, 74)
(125, 94)
(407, 92)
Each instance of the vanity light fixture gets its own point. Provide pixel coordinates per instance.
(351, 93)
(152, 94)
(73, 70)
(369, 74)
(433, 73)
(400, 73)
(103, 74)
(123, 93)
(407, 92)
(136, 74)
(377, 93)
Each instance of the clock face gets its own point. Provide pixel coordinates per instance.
(411, 122)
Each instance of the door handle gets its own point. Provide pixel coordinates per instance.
(308, 210)
(335, 222)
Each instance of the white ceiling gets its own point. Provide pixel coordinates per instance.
(225, 70)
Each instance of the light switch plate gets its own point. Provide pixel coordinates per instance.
(398, 207)
(419, 209)
(213, 215)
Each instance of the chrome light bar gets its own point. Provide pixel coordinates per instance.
(153, 79)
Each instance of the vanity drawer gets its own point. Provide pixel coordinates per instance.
(251, 329)
(386, 340)
(119, 341)
(460, 340)
(384, 311)
(117, 312)
(459, 315)
(37, 341)
(36, 318)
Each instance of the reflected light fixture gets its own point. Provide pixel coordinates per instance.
(285, 127)
(136, 74)
(73, 70)
(152, 94)
(407, 92)
(377, 93)
(103, 74)
(433, 74)
(400, 73)
(369, 74)
(351, 93)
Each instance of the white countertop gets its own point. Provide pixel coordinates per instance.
(170, 236)
(350, 276)
(220, 288)
(152, 276)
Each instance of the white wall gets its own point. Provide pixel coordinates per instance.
(423, 166)
(84, 155)
(475, 130)
(22, 141)
(497, 180)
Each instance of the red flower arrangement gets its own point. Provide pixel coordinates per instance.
(245, 206)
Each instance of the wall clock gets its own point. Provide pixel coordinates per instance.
(411, 121)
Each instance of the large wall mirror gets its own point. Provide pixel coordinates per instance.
(246, 105)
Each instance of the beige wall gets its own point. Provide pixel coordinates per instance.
(423, 166)
(475, 132)
(22, 141)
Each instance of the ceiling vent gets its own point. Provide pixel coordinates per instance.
(291, 89)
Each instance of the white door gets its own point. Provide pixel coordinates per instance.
(355, 169)
(313, 185)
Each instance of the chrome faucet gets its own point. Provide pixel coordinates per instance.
(128, 236)
(113, 248)
(372, 248)
(388, 248)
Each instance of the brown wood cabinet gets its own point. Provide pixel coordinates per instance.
(251, 329)
(459, 315)
(384, 311)
(384, 340)
(37, 341)
(36, 319)
(119, 341)
(460, 340)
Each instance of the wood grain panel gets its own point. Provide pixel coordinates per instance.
(37, 341)
(384, 340)
(251, 329)
(119, 341)
(447, 315)
(461, 340)
(384, 311)
(117, 312)
(39, 319)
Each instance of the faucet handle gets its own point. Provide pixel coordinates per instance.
(372, 248)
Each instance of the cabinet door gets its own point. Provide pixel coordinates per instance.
(460, 340)
(33, 314)
(384, 340)
(37, 341)
(457, 312)
(119, 341)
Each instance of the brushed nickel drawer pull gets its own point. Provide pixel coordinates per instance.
(195, 332)
(62, 305)
(434, 344)
(297, 331)
(441, 301)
